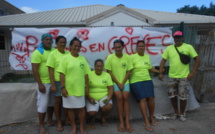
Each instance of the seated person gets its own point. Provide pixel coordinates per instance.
(99, 94)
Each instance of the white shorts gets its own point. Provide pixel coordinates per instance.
(43, 99)
(74, 102)
(95, 107)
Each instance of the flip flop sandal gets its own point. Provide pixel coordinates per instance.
(72, 133)
(50, 124)
(43, 132)
(83, 132)
(148, 128)
(154, 122)
(59, 129)
(90, 127)
(129, 130)
(121, 130)
(104, 124)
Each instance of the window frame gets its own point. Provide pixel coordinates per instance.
(4, 43)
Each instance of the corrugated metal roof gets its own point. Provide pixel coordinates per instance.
(76, 16)
(66, 16)
(176, 17)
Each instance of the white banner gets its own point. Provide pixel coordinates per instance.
(96, 42)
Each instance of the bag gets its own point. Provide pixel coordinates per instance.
(184, 58)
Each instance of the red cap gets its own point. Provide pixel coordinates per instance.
(178, 33)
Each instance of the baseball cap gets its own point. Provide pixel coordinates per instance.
(178, 33)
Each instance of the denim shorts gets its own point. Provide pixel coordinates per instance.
(58, 93)
(126, 88)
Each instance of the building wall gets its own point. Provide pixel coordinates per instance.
(8, 8)
(4, 60)
(117, 21)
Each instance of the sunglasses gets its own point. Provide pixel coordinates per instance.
(177, 37)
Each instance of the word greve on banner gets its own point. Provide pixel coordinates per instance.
(97, 42)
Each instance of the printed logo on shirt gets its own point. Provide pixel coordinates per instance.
(124, 65)
(146, 63)
(104, 82)
(82, 65)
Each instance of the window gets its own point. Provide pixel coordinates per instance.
(2, 13)
(2, 42)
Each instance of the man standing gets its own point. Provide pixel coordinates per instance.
(41, 74)
(179, 73)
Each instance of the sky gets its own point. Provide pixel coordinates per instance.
(30, 6)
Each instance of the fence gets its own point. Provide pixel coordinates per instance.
(204, 80)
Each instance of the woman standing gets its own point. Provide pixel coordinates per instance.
(100, 93)
(53, 63)
(74, 71)
(118, 65)
(141, 84)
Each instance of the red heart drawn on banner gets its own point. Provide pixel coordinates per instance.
(83, 34)
(54, 33)
(129, 30)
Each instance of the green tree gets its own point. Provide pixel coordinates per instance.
(203, 10)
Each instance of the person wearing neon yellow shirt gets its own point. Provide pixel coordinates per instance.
(100, 93)
(118, 65)
(40, 71)
(74, 71)
(179, 73)
(142, 85)
(53, 63)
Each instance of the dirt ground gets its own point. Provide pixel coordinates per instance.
(199, 121)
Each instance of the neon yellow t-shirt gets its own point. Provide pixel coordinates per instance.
(119, 66)
(141, 65)
(37, 57)
(98, 85)
(178, 69)
(74, 69)
(54, 61)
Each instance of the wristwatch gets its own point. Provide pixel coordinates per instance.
(62, 87)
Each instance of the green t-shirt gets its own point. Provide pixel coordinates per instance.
(141, 65)
(98, 84)
(118, 66)
(54, 61)
(74, 69)
(41, 59)
(177, 68)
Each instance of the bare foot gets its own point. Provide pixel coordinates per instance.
(153, 121)
(52, 123)
(72, 132)
(121, 127)
(148, 127)
(59, 126)
(129, 128)
(73, 129)
(42, 130)
(83, 132)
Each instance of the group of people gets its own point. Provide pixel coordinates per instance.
(68, 77)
